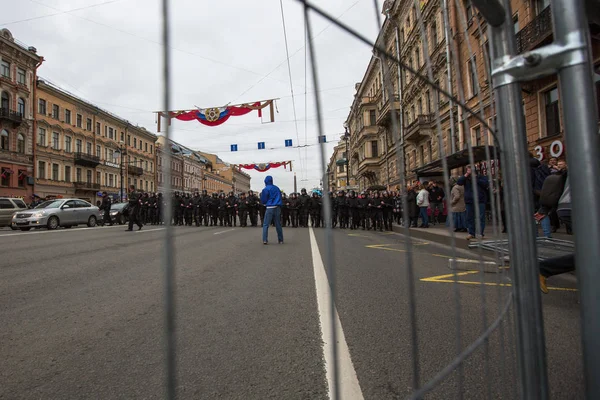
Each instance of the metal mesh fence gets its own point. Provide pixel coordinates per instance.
(510, 343)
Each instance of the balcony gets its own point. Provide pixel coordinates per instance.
(133, 170)
(417, 130)
(535, 32)
(12, 116)
(87, 185)
(13, 156)
(86, 160)
(386, 105)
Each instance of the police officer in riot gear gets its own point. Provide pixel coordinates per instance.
(253, 203)
(134, 209)
(243, 210)
(197, 208)
(293, 205)
(205, 207)
(214, 210)
(304, 207)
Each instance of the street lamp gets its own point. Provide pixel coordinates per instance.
(346, 138)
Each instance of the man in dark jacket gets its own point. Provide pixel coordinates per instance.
(470, 200)
(253, 208)
(352, 203)
(413, 208)
(105, 206)
(293, 205)
(242, 207)
(214, 209)
(315, 210)
(285, 211)
(363, 205)
(305, 202)
(436, 198)
(231, 208)
(342, 209)
(270, 197)
(197, 208)
(205, 207)
(134, 209)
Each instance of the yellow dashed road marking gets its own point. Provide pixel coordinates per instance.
(449, 278)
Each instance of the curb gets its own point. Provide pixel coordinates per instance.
(432, 236)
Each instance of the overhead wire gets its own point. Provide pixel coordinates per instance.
(287, 52)
(297, 51)
(58, 13)
(69, 12)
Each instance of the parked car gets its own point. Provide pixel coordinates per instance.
(119, 214)
(54, 213)
(8, 206)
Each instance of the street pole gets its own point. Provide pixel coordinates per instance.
(121, 171)
(295, 184)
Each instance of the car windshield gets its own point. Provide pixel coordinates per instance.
(50, 204)
(118, 206)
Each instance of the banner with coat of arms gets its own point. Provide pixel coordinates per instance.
(263, 167)
(215, 116)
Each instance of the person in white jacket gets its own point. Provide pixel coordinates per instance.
(423, 203)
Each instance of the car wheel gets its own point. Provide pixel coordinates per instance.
(25, 229)
(53, 223)
(92, 222)
(122, 220)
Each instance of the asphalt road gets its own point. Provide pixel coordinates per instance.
(82, 317)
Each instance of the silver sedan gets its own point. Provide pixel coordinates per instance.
(54, 213)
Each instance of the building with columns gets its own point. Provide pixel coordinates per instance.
(18, 71)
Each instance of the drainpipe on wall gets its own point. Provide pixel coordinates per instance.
(34, 124)
(447, 35)
(401, 106)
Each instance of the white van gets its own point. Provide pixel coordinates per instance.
(9, 206)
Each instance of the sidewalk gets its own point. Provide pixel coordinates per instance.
(441, 234)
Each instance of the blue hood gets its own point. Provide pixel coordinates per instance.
(461, 181)
(271, 195)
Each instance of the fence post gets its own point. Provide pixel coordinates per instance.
(583, 145)
(531, 353)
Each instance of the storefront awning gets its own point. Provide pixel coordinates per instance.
(456, 160)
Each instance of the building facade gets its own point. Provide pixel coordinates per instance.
(373, 143)
(337, 168)
(18, 71)
(224, 177)
(82, 150)
(193, 171)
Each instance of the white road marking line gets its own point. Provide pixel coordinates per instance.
(150, 230)
(59, 231)
(218, 233)
(349, 388)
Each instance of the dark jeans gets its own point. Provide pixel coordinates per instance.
(424, 216)
(471, 218)
(272, 215)
(562, 264)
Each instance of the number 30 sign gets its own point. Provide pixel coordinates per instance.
(556, 149)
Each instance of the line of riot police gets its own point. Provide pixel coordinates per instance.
(372, 210)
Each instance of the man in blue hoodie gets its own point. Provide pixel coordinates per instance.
(271, 199)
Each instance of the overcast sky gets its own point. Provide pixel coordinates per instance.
(223, 52)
